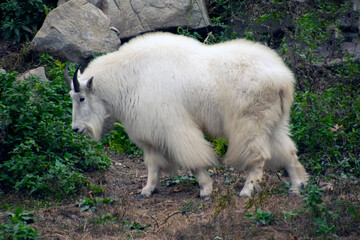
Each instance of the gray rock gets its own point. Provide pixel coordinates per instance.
(352, 48)
(2, 71)
(132, 17)
(37, 72)
(74, 30)
(96, 3)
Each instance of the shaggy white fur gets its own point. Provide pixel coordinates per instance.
(168, 90)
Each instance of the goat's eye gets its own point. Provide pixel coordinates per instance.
(81, 99)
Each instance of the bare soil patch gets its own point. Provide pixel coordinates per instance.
(177, 211)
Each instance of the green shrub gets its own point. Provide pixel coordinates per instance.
(118, 141)
(323, 219)
(16, 227)
(20, 20)
(263, 217)
(326, 129)
(181, 179)
(39, 152)
(86, 204)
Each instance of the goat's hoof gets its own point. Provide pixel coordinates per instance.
(294, 193)
(145, 193)
(205, 197)
(206, 192)
(141, 196)
(245, 194)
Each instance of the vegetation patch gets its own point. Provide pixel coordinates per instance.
(16, 227)
(40, 154)
(20, 20)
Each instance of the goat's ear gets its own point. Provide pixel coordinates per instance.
(89, 83)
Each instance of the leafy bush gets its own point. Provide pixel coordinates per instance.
(90, 204)
(20, 20)
(181, 179)
(17, 228)
(263, 217)
(326, 129)
(322, 217)
(39, 152)
(118, 141)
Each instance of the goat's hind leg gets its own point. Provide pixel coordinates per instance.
(205, 182)
(256, 171)
(298, 175)
(249, 149)
(252, 157)
(283, 154)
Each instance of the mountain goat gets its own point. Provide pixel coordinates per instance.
(168, 90)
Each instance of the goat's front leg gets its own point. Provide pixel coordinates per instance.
(152, 181)
(152, 159)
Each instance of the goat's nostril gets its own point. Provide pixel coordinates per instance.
(75, 129)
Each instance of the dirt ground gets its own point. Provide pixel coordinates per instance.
(177, 211)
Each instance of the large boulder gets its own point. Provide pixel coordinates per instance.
(97, 3)
(132, 17)
(75, 30)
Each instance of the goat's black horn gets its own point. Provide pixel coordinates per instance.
(76, 81)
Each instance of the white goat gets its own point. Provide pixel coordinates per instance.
(168, 90)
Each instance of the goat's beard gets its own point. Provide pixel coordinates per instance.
(95, 133)
(101, 128)
(94, 128)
